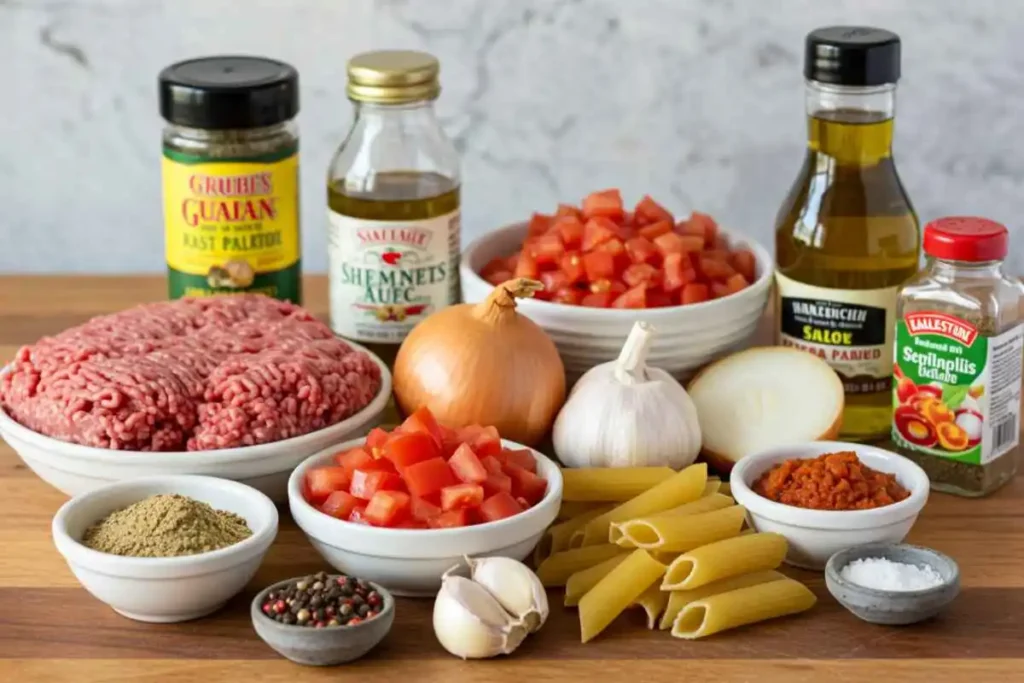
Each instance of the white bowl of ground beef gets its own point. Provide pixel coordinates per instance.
(240, 387)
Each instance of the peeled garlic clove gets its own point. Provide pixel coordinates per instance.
(514, 586)
(470, 623)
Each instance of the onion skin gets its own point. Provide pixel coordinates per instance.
(483, 364)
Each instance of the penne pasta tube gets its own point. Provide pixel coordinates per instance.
(582, 581)
(725, 488)
(556, 570)
(677, 600)
(653, 601)
(570, 510)
(556, 538)
(717, 613)
(682, 533)
(619, 589)
(706, 504)
(722, 559)
(610, 484)
(711, 487)
(683, 487)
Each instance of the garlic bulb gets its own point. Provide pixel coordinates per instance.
(470, 623)
(626, 414)
(514, 586)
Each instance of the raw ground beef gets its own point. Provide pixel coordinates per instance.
(191, 374)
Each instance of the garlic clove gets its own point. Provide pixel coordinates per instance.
(514, 586)
(470, 623)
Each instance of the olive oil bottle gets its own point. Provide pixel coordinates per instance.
(393, 204)
(847, 236)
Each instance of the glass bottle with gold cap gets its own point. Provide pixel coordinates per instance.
(393, 204)
(847, 236)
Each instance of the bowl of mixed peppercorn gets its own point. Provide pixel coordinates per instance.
(323, 619)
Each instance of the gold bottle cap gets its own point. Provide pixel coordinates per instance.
(393, 77)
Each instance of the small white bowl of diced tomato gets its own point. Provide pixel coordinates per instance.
(402, 507)
(605, 266)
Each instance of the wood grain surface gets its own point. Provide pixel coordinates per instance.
(52, 630)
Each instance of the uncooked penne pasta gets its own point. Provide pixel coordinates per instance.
(722, 559)
(681, 533)
(611, 484)
(677, 600)
(556, 538)
(618, 590)
(711, 487)
(571, 510)
(653, 601)
(582, 581)
(556, 570)
(742, 606)
(725, 488)
(715, 501)
(683, 487)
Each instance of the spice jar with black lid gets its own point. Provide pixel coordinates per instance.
(231, 177)
(958, 356)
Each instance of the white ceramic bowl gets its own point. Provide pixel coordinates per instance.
(166, 589)
(815, 535)
(75, 469)
(687, 336)
(411, 561)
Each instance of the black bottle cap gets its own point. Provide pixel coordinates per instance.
(852, 55)
(230, 92)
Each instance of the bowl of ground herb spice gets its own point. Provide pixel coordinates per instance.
(166, 549)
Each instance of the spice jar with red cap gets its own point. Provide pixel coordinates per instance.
(958, 356)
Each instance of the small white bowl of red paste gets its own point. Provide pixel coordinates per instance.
(852, 494)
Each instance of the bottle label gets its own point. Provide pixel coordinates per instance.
(386, 276)
(850, 329)
(232, 226)
(957, 393)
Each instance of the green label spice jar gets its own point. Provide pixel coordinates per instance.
(958, 356)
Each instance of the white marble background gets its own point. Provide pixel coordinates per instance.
(698, 102)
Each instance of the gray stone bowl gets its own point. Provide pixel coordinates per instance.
(326, 646)
(893, 608)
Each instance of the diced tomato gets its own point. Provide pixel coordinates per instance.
(614, 287)
(572, 265)
(497, 277)
(567, 210)
(375, 440)
(568, 295)
(495, 270)
(554, 280)
(422, 509)
(656, 298)
(339, 504)
(495, 482)
(357, 516)
(744, 263)
(483, 440)
(411, 523)
(701, 223)
(655, 230)
(694, 293)
(671, 243)
(539, 224)
(423, 421)
(736, 283)
(410, 448)
(449, 441)
(570, 229)
(461, 496)
(598, 300)
(428, 476)
(499, 506)
(596, 231)
(548, 249)
(491, 464)
(633, 298)
(520, 457)
(387, 508)
(450, 520)
(353, 458)
(648, 211)
(676, 272)
(642, 250)
(466, 466)
(719, 290)
(641, 274)
(599, 265)
(526, 484)
(526, 266)
(321, 482)
(715, 269)
(604, 203)
(365, 483)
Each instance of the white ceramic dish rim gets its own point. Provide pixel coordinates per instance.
(764, 279)
(295, 498)
(909, 473)
(166, 567)
(205, 458)
(835, 574)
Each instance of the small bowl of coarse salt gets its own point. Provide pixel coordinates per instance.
(892, 583)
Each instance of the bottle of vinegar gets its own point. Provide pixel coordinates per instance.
(847, 236)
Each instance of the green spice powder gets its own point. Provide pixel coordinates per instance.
(166, 525)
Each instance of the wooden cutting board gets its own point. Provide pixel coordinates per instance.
(52, 630)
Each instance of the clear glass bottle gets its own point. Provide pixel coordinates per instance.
(393, 194)
(959, 348)
(847, 237)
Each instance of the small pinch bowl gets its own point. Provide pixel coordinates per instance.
(815, 535)
(410, 562)
(166, 589)
(328, 646)
(893, 608)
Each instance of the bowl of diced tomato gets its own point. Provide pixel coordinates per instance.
(402, 507)
(605, 265)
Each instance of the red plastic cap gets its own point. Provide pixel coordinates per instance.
(966, 238)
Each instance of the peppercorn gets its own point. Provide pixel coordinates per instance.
(322, 601)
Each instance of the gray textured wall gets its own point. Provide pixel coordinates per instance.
(698, 102)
